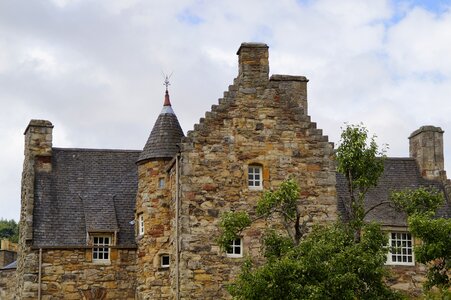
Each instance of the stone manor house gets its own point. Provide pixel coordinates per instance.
(126, 224)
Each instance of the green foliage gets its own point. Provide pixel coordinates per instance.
(9, 229)
(276, 245)
(231, 224)
(327, 264)
(284, 199)
(435, 251)
(360, 160)
(435, 233)
(418, 201)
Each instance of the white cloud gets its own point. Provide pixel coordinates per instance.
(420, 43)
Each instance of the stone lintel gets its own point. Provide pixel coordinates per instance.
(80, 247)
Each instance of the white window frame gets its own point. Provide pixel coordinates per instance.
(234, 245)
(255, 177)
(162, 264)
(401, 244)
(101, 248)
(141, 224)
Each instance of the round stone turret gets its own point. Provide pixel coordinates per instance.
(165, 136)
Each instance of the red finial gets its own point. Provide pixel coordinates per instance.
(167, 102)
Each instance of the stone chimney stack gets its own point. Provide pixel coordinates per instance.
(38, 155)
(426, 146)
(38, 138)
(253, 64)
(37, 158)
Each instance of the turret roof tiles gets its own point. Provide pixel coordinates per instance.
(165, 137)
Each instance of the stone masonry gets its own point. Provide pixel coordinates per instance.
(426, 146)
(71, 274)
(260, 121)
(155, 204)
(38, 150)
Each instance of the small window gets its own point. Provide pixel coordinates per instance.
(235, 248)
(141, 224)
(101, 249)
(165, 260)
(401, 249)
(161, 183)
(254, 177)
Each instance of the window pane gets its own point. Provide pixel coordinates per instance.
(401, 248)
(165, 260)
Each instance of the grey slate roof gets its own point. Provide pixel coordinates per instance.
(165, 136)
(86, 191)
(399, 173)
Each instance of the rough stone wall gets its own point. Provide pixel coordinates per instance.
(156, 205)
(37, 154)
(407, 279)
(259, 121)
(7, 284)
(71, 274)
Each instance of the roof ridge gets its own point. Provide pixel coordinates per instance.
(95, 150)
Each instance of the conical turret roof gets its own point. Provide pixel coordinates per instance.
(165, 136)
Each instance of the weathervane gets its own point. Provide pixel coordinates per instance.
(166, 80)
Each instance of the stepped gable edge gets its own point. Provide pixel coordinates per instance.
(287, 91)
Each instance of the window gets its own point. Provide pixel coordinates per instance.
(165, 260)
(161, 183)
(401, 249)
(254, 177)
(140, 224)
(101, 250)
(235, 248)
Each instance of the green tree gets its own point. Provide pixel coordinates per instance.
(324, 264)
(361, 161)
(327, 264)
(435, 233)
(9, 229)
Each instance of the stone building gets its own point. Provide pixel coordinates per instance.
(123, 224)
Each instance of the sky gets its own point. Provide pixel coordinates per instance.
(95, 68)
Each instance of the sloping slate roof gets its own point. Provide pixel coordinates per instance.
(87, 190)
(165, 136)
(399, 174)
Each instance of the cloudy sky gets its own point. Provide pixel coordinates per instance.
(94, 68)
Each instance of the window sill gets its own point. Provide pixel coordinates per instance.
(102, 262)
(255, 188)
(234, 255)
(391, 264)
